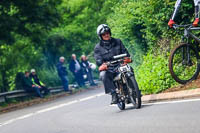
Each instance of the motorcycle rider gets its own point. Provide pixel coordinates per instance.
(104, 52)
(177, 6)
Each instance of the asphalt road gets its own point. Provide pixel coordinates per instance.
(90, 112)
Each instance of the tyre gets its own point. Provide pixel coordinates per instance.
(120, 101)
(121, 105)
(134, 92)
(184, 63)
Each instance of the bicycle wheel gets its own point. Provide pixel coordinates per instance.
(134, 92)
(184, 63)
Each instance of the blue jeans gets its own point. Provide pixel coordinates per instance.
(34, 89)
(65, 83)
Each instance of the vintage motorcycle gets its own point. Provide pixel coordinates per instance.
(125, 82)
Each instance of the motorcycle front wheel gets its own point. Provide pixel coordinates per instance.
(134, 92)
(121, 105)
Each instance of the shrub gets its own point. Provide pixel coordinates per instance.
(49, 77)
(153, 75)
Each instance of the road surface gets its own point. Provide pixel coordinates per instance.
(90, 112)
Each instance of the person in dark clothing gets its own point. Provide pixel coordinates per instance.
(76, 69)
(62, 73)
(35, 80)
(29, 86)
(85, 64)
(104, 52)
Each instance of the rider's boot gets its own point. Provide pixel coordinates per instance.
(114, 98)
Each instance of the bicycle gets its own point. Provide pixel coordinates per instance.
(184, 63)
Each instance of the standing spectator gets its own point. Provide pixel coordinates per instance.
(85, 64)
(75, 68)
(35, 80)
(62, 73)
(29, 86)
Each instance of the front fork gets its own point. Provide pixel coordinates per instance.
(186, 60)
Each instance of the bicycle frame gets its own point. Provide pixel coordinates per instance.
(187, 33)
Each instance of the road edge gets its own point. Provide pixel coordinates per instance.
(172, 95)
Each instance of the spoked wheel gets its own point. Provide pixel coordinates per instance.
(134, 92)
(120, 101)
(121, 105)
(184, 63)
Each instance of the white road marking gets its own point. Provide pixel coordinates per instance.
(50, 109)
(166, 102)
(81, 100)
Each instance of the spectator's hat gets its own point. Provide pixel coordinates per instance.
(32, 70)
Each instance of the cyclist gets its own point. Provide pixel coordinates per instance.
(177, 6)
(104, 52)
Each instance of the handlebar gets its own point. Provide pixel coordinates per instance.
(176, 26)
(117, 58)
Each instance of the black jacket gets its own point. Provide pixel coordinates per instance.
(35, 79)
(103, 53)
(61, 69)
(27, 83)
(72, 66)
(85, 66)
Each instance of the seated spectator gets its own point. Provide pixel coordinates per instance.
(85, 64)
(29, 86)
(76, 69)
(36, 81)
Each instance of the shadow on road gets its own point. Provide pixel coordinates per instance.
(131, 108)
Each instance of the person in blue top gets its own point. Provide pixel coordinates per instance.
(62, 73)
(177, 6)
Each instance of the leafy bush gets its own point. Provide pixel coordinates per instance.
(153, 75)
(18, 80)
(49, 77)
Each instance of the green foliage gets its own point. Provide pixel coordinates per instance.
(126, 24)
(34, 34)
(49, 77)
(26, 17)
(153, 75)
(14, 59)
(19, 80)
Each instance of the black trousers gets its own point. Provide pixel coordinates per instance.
(34, 89)
(79, 78)
(90, 77)
(45, 89)
(107, 79)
